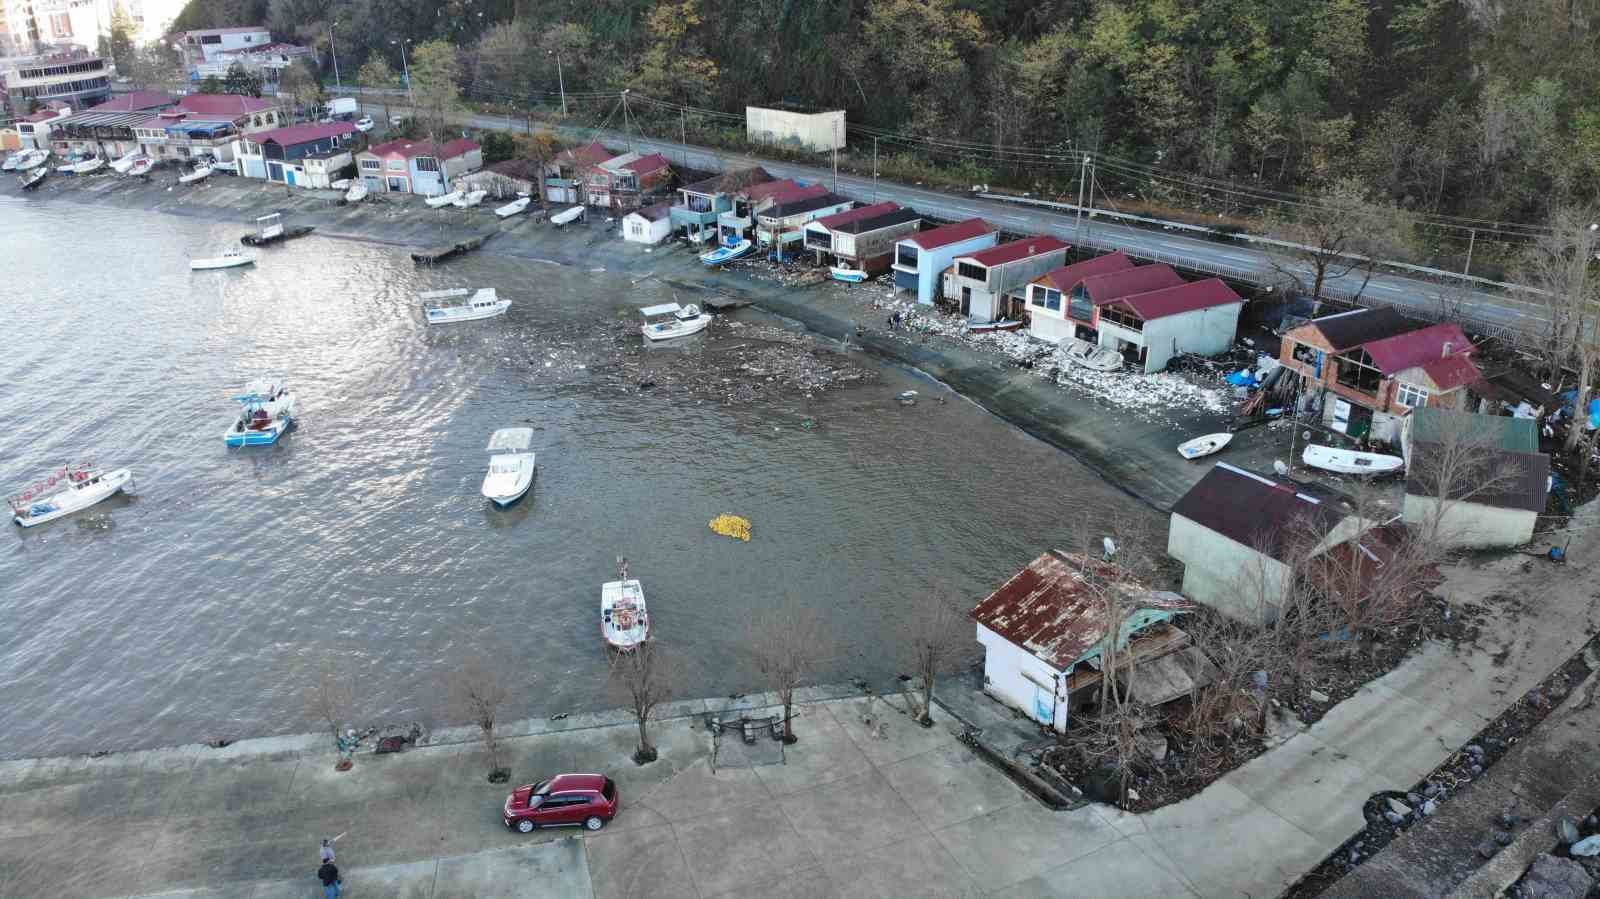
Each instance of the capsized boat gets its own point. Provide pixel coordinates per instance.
(669, 320)
(469, 199)
(229, 259)
(458, 304)
(624, 621)
(72, 488)
(1343, 461)
(266, 410)
(341, 184)
(443, 199)
(92, 164)
(847, 275)
(1204, 445)
(514, 207)
(34, 178)
(357, 191)
(511, 467)
(566, 216)
(200, 172)
(123, 163)
(726, 254)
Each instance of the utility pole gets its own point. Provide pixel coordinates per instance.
(1083, 171)
(874, 170)
(835, 157)
(406, 67)
(683, 134)
(561, 83)
(1472, 241)
(338, 85)
(626, 129)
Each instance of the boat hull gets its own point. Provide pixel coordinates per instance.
(847, 275)
(60, 505)
(205, 265)
(624, 618)
(1200, 447)
(1342, 461)
(515, 207)
(443, 200)
(722, 255)
(264, 437)
(505, 490)
(675, 329)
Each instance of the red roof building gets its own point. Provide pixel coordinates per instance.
(1413, 348)
(1102, 289)
(306, 133)
(1190, 297)
(136, 102)
(405, 148)
(1068, 277)
(851, 215)
(223, 106)
(945, 235)
(1016, 251)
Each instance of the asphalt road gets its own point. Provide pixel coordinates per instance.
(1483, 310)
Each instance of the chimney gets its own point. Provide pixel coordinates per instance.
(1446, 351)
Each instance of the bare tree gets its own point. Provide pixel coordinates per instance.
(786, 646)
(644, 676)
(331, 699)
(1458, 460)
(1341, 233)
(477, 692)
(938, 635)
(1561, 264)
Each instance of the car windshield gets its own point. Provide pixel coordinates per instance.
(539, 789)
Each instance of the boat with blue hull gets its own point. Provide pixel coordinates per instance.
(266, 411)
(847, 275)
(725, 254)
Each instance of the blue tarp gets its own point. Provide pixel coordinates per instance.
(1242, 378)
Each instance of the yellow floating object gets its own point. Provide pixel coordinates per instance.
(732, 526)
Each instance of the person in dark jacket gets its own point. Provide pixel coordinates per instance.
(329, 875)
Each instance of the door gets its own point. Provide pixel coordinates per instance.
(288, 177)
(1044, 705)
(966, 301)
(275, 171)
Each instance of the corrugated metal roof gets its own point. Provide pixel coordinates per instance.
(136, 101)
(299, 134)
(1180, 299)
(644, 165)
(1515, 435)
(654, 213)
(1104, 288)
(796, 207)
(877, 222)
(592, 153)
(1412, 348)
(755, 193)
(729, 182)
(1498, 478)
(949, 234)
(234, 105)
(1055, 608)
(1067, 277)
(1016, 251)
(1257, 511)
(851, 215)
(1452, 372)
(1345, 330)
(410, 149)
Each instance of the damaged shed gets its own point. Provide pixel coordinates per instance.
(1046, 631)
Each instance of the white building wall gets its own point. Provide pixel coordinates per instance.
(1004, 664)
(819, 131)
(1050, 328)
(638, 229)
(1224, 574)
(1472, 525)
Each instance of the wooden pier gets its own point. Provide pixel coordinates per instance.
(433, 255)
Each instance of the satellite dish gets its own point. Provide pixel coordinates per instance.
(1280, 468)
(1110, 546)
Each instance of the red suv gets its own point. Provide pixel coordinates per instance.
(566, 800)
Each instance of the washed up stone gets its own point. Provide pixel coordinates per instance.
(1319, 696)
(1432, 789)
(1586, 847)
(1394, 818)
(1429, 807)
(1487, 849)
(1474, 749)
(1398, 807)
(1552, 877)
(1502, 837)
(1567, 830)
(1414, 799)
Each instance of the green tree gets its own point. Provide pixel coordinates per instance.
(435, 80)
(239, 81)
(119, 43)
(376, 74)
(920, 49)
(676, 67)
(211, 84)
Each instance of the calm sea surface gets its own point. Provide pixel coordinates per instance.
(203, 606)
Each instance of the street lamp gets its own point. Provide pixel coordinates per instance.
(407, 68)
(561, 80)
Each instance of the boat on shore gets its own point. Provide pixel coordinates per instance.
(357, 191)
(200, 172)
(1003, 325)
(458, 304)
(90, 165)
(567, 216)
(624, 620)
(34, 178)
(847, 275)
(141, 166)
(443, 199)
(511, 468)
(67, 168)
(725, 254)
(515, 207)
(32, 159)
(1343, 461)
(270, 230)
(1093, 357)
(469, 199)
(227, 168)
(72, 488)
(1204, 445)
(10, 164)
(266, 411)
(667, 321)
(229, 259)
(123, 163)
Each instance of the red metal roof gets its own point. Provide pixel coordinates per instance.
(1103, 289)
(136, 101)
(1183, 298)
(1055, 608)
(592, 153)
(410, 149)
(644, 165)
(654, 213)
(949, 234)
(1413, 348)
(1016, 251)
(232, 105)
(758, 192)
(852, 215)
(43, 115)
(1452, 371)
(299, 134)
(1067, 277)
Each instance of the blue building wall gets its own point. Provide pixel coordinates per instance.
(932, 263)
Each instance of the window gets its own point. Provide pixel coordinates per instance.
(371, 164)
(1118, 314)
(1081, 307)
(427, 164)
(398, 185)
(1357, 372)
(1046, 298)
(975, 272)
(1412, 395)
(906, 256)
(636, 229)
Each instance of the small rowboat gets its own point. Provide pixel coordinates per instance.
(443, 199)
(469, 199)
(34, 178)
(1345, 461)
(92, 164)
(230, 259)
(567, 216)
(200, 172)
(1203, 446)
(722, 255)
(32, 159)
(141, 166)
(514, 207)
(847, 275)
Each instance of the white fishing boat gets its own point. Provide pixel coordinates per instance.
(443, 199)
(341, 184)
(567, 216)
(68, 490)
(266, 411)
(1345, 461)
(1204, 445)
(226, 167)
(469, 199)
(725, 254)
(10, 165)
(67, 169)
(92, 164)
(123, 163)
(847, 275)
(34, 178)
(515, 207)
(32, 160)
(511, 467)
(669, 320)
(200, 172)
(142, 166)
(229, 259)
(458, 304)
(1093, 357)
(624, 620)
(357, 191)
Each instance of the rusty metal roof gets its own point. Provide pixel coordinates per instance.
(1055, 608)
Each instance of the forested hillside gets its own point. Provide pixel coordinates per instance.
(1481, 108)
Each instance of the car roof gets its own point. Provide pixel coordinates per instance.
(564, 782)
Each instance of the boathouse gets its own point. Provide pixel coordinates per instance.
(283, 154)
(783, 223)
(417, 166)
(701, 203)
(1054, 312)
(1199, 317)
(649, 225)
(992, 284)
(861, 238)
(920, 259)
(738, 223)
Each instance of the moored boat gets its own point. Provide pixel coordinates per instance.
(72, 488)
(1204, 445)
(847, 275)
(1343, 461)
(624, 620)
(229, 259)
(200, 172)
(469, 199)
(34, 178)
(669, 320)
(514, 207)
(266, 411)
(458, 304)
(511, 468)
(725, 254)
(443, 199)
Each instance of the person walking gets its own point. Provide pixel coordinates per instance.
(331, 884)
(325, 854)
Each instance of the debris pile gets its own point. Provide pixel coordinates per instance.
(740, 364)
